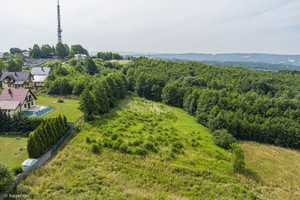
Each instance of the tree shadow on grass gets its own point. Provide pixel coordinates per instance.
(251, 175)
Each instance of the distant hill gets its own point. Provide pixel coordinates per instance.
(260, 61)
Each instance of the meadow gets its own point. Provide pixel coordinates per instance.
(276, 170)
(146, 150)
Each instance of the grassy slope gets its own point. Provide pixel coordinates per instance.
(277, 169)
(200, 170)
(69, 108)
(9, 150)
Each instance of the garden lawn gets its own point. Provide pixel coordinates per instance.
(69, 108)
(9, 150)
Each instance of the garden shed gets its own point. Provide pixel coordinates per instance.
(28, 163)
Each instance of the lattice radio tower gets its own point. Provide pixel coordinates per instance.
(59, 30)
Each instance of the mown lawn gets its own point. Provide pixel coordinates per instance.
(69, 108)
(9, 150)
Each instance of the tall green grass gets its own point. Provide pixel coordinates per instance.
(146, 150)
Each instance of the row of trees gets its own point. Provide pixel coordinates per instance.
(250, 105)
(46, 135)
(61, 50)
(16, 123)
(109, 56)
(15, 50)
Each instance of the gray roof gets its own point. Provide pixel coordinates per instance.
(18, 77)
(39, 78)
(41, 71)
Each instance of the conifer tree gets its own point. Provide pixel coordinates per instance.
(60, 128)
(41, 132)
(49, 133)
(32, 148)
(39, 143)
(101, 99)
(55, 130)
(66, 122)
(87, 104)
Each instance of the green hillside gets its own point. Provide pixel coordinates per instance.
(149, 151)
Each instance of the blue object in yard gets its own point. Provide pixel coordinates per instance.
(37, 111)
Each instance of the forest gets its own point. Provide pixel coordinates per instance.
(251, 105)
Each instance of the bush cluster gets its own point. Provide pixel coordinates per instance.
(6, 178)
(17, 169)
(223, 139)
(46, 135)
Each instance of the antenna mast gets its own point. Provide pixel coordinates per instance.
(58, 25)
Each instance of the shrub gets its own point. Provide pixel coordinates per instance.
(238, 158)
(60, 100)
(137, 142)
(17, 169)
(6, 178)
(95, 149)
(124, 148)
(107, 143)
(175, 150)
(88, 139)
(150, 146)
(177, 145)
(140, 151)
(114, 136)
(100, 144)
(223, 139)
(116, 145)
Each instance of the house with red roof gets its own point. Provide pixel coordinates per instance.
(16, 100)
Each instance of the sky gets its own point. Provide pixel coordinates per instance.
(157, 26)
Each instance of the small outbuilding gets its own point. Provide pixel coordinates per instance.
(28, 163)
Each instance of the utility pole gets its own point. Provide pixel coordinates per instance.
(58, 25)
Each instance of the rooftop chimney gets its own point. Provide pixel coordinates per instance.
(11, 94)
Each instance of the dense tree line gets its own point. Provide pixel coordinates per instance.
(18, 123)
(15, 50)
(250, 105)
(72, 79)
(61, 50)
(109, 56)
(46, 135)
(15, 123)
